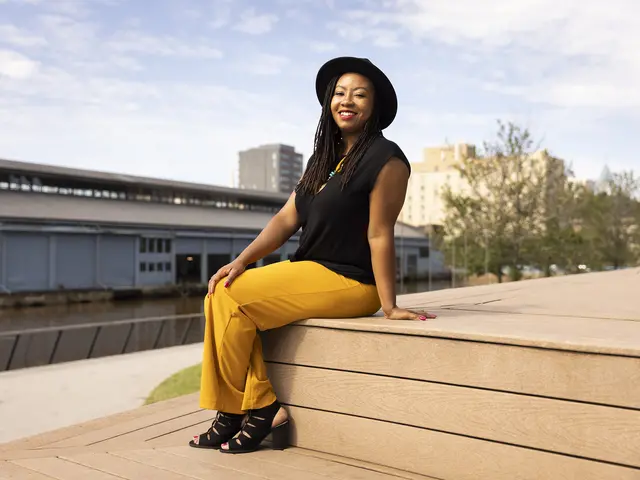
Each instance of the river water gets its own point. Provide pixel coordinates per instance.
(37, 317)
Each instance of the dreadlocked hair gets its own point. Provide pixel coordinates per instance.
(326, 143)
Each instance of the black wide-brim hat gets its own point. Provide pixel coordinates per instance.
(385, 94)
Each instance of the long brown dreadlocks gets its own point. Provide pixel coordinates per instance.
(326, 143)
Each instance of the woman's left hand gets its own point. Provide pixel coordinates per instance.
(398, 313)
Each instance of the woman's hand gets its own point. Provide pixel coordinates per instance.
(397, 313)
(229, 271)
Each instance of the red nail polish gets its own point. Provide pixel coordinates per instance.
(226, 284)
(423, 317)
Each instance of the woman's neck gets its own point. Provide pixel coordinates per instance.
(348, 141)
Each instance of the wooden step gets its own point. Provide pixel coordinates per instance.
(472, 395)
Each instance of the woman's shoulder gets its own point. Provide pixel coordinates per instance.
(380, 152)
(384, 150)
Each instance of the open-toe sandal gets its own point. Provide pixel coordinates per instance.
(259, 424)
(222, 429)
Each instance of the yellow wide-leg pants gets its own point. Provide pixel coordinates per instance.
(234, 376)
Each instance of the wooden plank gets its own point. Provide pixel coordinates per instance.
(591, 378)
(591, 431)
(438, 454)
(122, 428)
(122, 467)
(65, 433)
(45, 452)
(184, 466)
(63, 470)
(334, 466)
(575, 334)
(608, 295)
(246, 464)
(11, 471)
(159, 429)
(179, 437)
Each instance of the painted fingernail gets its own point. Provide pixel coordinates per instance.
(226, 284)
(422, 317)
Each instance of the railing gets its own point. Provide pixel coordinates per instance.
(49, 345)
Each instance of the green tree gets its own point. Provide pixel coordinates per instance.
(611, 220)
(503, 206)
(560, 243)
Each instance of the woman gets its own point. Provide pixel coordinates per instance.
(347, 204)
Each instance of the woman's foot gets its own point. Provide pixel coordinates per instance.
(260, 423)
(222, 429)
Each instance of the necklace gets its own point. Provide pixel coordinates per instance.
(338, 168)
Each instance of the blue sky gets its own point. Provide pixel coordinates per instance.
(175, 89)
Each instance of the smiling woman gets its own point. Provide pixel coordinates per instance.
(347, 204)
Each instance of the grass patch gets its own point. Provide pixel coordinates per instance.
(183, 382)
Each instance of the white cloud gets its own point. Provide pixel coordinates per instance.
(359, 32)
(16, 66)
(69, 35)
(254, 23)
(543, 38)
(141, 43)
(221, 15)
(322, 47)
(20, 38)
(21, 2)
(263, 64)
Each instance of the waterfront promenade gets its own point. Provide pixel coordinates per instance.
(529, 380)
(39, 399)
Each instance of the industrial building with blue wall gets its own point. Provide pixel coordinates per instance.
(67, 229)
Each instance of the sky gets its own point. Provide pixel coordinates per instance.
(174, 89)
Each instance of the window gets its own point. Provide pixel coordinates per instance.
(167, 246)
(143, 245)
(152, 267)
(143, 267)
(152, 246)
(160, 266)
(167, 266)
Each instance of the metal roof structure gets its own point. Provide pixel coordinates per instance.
(133, 181)
(54, 208)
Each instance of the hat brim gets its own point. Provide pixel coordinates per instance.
(385, 94)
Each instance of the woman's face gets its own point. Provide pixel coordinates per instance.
(352, 102)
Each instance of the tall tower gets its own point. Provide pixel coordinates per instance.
(271, 168)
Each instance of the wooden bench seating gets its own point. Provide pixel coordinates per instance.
(534, 380)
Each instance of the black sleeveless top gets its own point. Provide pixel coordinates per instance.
(335, 221)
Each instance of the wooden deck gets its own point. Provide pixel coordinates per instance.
(530, 380)
(150, 443)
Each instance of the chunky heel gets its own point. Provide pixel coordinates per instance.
(280, 435)
(258, 426)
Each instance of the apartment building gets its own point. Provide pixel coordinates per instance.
(424, 205)
(271, 168)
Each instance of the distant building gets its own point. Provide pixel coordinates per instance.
(270, 168)
(424, 205)
(439, 159)
(66, 229)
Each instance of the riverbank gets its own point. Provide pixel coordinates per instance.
(21, 300)
(71, 297)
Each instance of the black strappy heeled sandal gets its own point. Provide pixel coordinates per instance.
(258, 426)
(222, 429)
